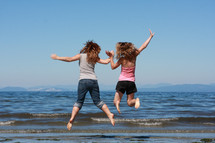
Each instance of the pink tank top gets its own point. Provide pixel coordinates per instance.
(127, 74)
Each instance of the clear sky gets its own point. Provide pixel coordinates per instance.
(181, 52)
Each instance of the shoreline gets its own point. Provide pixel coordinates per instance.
(102, 131)
(97, 137)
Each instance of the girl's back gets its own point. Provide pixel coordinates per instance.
(86, 69)
(127, 70)
(127, 63)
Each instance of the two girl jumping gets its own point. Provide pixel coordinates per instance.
(126, 53)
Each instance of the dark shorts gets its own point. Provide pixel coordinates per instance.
(126, 86)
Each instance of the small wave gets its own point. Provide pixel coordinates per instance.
(134, 120)
(34, 115)
(44, 115)
(48, 115)
(5, 123)
(81, 132)
(197, 119)
(140, 122)
(150, 124)
(101, 119)
(209, 124)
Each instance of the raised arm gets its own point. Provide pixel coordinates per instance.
(104, 61)
(66, 59)
(113, 65)
(145, 44)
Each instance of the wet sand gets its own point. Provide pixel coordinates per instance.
(106, 136)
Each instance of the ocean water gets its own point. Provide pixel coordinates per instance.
(159, 113)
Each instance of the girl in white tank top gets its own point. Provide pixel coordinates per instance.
(87, 58)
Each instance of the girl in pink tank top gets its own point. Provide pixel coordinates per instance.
(126, 54)
(127, 74)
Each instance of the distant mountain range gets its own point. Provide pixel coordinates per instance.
(40, 88)
(147, 88)
(182, 88)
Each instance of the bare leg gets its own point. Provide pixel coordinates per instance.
(137, 103)
(117, 100)
(133, 102)
(75, 111)
(109, 114)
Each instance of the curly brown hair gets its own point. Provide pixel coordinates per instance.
(92, 49)
(126, 50)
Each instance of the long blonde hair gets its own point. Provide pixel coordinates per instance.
(126, 50)
(92, 49)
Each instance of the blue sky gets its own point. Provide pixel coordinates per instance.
(181, 52)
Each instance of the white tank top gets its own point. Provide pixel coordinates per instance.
(86, 69)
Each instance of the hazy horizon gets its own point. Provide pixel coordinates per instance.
(101, 85)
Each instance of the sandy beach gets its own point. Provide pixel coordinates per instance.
(105, 136)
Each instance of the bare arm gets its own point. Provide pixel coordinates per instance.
(66, 59)
(145, 44)
(113, 65)
(104, 61)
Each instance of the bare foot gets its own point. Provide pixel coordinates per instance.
(137, 103)
(117, 107)
(112, 120)
(69, 126)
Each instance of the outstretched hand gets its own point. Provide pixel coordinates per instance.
(110, 53)
(54, 56)
(151, 34)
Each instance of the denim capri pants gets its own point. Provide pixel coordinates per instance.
(90, 85)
